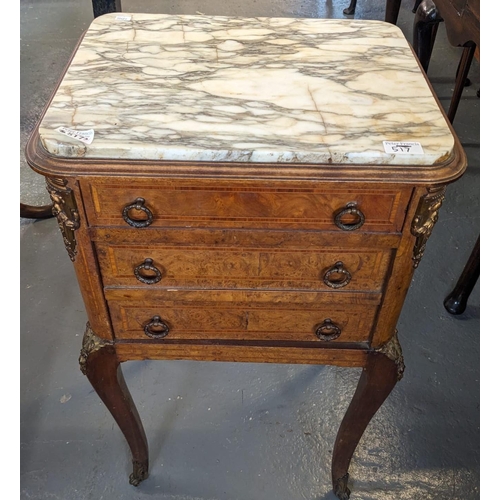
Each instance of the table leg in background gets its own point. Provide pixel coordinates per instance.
(456, 301)
(392, 11)
(425, 28)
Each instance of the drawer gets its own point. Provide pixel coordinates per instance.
(324, 269)
(218, 315)
(238, 204)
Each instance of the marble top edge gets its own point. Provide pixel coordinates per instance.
(259, 93)
(110, 17)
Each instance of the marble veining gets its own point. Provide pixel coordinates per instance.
(201, 88)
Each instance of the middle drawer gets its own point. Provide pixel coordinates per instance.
(243, 268)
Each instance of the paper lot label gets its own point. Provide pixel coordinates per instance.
(86, 136)
(403, 148)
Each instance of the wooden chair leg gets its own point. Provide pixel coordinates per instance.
(461, 80)
(31, 212)
(349, 11)
(392, 11)
(456, 301)
(101, 7)
(425, 27)
(415, 6)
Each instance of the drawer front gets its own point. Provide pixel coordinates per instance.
(179, 315)
(235, 204)
(247, 268)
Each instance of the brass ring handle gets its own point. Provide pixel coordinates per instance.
(147, 265)
(328, 330)
(350, 209)
(156, 328)
(343, 276)
(138, 204)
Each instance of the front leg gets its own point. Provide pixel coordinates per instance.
(99, 363)
(384, 367)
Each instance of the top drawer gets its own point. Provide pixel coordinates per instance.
(240, 204)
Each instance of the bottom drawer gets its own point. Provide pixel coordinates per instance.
(220, 315)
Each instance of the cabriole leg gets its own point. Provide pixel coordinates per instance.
(99, 363)
(383, 369)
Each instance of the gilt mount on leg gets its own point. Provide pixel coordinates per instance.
(424, 220)
(91, 343)
(99, 363)
(392, 349)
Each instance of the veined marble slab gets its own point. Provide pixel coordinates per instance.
(201, 88)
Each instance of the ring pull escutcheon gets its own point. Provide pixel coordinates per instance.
(337, 276)
(351, 209)
(137, 205)
(142, 272)
(156, 328)
(328, 330)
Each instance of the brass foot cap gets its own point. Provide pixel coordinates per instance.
(340, 488)
(139, 474)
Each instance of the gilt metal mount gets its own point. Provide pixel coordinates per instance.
(340, 488)
(65, 210)
(424, 220)
(392, 349)
(91, 343)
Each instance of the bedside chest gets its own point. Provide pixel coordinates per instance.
(251, 190)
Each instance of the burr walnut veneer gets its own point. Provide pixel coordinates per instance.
(225, 192)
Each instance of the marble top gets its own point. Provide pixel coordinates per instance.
(203, 88)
